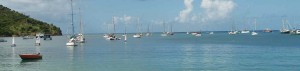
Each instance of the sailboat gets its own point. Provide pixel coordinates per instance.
(164, 33)
(139, 34)
(211, 33)
(253, 32)
(284, 29)
(13, 42)
(233, 30)
(80, 37)
(245, 31)
(38, 41)
(148, 31)
(112, 36)
(125, 33)
(72, 39)
(171, 30)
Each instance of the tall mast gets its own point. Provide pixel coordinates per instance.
(72, 18)
(148, 29)
(139, 26)
(282, 24)
(164, 26)
(125, 29)
(81, 25)
(171, 28)
(254, 24)
(113, 22)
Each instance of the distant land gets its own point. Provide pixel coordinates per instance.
(18, 24)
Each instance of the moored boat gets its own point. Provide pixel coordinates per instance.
(3, 40)
(295, 32)
(30, 56)
(267, 30)
(245, 31)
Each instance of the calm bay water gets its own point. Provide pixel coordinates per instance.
(181, 52)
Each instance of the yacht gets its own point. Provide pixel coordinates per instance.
(253, 32)
(232, 32)
(71, 42)
(245, 31)
(80, 37)
(211, 33)
(72, 39)
(267, 30)
(13, 44)
(295, 32)
(112, 36)
(139, 34)
(285, 26)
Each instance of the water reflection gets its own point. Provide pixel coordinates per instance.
(33, 65)
(189, 59)
(75, 55)
(30, 61)
(217, 56)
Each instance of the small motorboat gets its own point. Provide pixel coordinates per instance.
(30, 56)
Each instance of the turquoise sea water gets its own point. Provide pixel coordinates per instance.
(181, 52)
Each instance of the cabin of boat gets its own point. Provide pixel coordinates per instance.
(137, 35)
(46, 36)
(284, 31)
(30, 56)
(295, 32)
(245, 31)
(267, 30)
(2, 40)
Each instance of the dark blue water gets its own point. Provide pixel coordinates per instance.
(181, 52)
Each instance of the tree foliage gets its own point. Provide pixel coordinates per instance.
(15, 23)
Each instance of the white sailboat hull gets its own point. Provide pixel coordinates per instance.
(137, 36)
(245, 32)
(71, 44)
(198, 35)
(254, 33)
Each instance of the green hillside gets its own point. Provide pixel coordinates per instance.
(15, 23)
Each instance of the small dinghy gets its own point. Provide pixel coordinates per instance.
(30, 56)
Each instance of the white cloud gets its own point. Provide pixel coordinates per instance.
(184, 14)
(216, 9)
(212, 10)
(125, 19)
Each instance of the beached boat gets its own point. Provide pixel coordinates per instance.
(30, 56)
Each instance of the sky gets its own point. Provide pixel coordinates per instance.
(183, 15)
